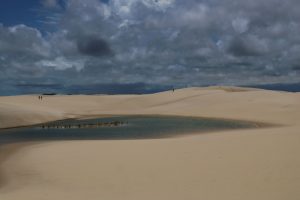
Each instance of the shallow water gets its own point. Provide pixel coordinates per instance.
(135, 127)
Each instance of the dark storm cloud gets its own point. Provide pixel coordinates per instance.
(40, 85)
(297, 67)
(94, 47)
(168, 42)
(246, 47)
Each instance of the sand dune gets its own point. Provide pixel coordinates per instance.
(249, 164)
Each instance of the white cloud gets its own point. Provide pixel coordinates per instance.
(240, 25)
(160, 5)
(198, 16)
(61, 63)
(22, 40)
(124, 8)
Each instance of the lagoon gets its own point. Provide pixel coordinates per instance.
(128, 127)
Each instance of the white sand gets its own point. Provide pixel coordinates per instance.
(249, 164)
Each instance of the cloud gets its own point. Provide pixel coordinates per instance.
(93, 47)
(50, 3)
(167, 42)
(248, 45)
(240, 25)
(22, 40)
(61, 63)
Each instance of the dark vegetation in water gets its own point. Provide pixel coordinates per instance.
(119, 128)
(98, 124)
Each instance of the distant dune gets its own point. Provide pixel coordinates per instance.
(251, 164)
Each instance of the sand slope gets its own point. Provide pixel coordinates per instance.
(261, 105)
(249, 164)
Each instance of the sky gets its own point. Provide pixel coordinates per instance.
(146, 45)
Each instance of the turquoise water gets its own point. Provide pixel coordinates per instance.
(135, 127)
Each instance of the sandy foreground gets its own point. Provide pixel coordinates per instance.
(258, 164)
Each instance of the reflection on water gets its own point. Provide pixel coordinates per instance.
(132, 127)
